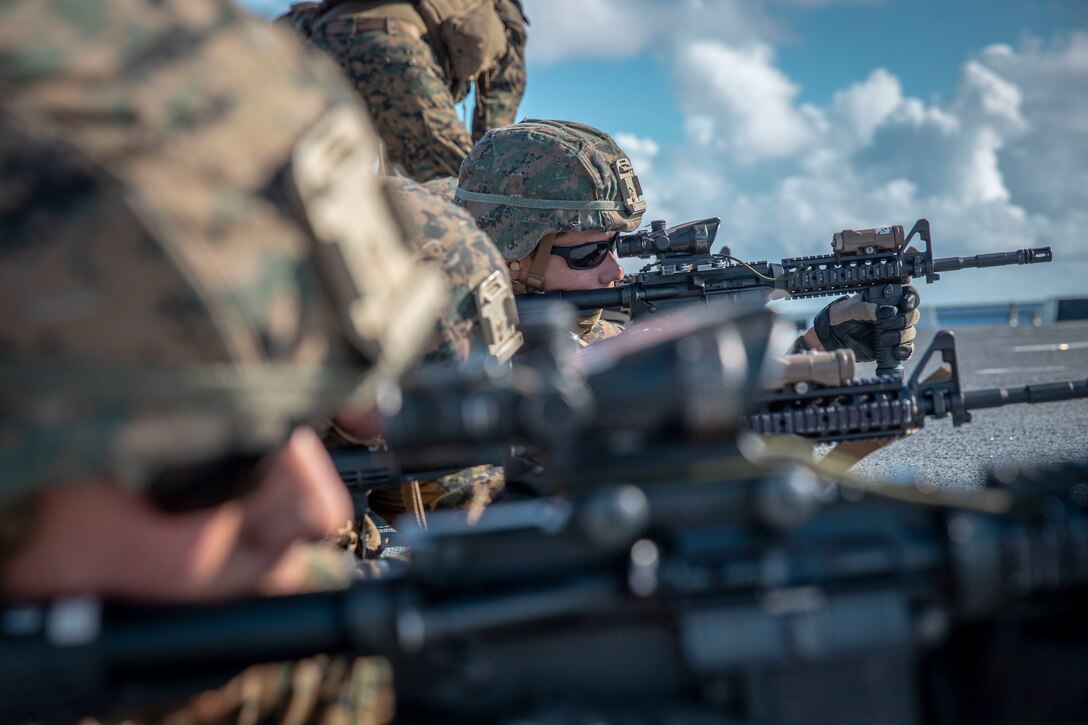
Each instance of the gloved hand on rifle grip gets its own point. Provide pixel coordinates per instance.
(850, 322)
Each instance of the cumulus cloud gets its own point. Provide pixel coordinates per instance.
(615, 29)
(1001, 164)
(742, 103)
(640, 150)
(858, 111)
(1046, 165)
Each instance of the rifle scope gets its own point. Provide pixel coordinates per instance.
(689, 238)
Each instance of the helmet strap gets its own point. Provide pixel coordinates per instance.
(535, 280)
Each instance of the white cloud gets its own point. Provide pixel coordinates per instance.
(641, 151)
(613, 29)
(1046, 166)
(863, 107)
(750, 101)
(985, 95)
(980, 176)
(1002, 164)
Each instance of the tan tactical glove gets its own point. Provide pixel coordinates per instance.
(851, 322)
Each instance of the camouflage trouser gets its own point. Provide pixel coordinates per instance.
(471, 489)
(597, 331)
(397, 75)
(499, 91)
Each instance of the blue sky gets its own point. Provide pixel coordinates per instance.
(793, 119)
(823, 47)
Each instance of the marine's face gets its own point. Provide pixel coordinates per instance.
(559, 275)
(101, 538)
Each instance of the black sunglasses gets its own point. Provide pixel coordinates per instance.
(586, 256)
(207, 484)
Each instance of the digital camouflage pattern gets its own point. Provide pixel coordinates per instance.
(500, 90)
(472, 489)
(594, 329)
(444, 186)
(169, 218)
(547, 163)
(396, 74)
(315, 691)
(445, 234)
(410, 97)
(164, 294)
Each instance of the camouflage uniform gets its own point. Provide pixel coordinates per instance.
(384, 48)
(446, 235)
(593, 329)
(526, 182)
(175, 230)
(499, 91)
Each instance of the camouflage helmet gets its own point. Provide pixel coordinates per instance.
(533, 178)
(182, 272)
(480, 316)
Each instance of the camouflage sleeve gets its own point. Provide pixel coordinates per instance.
(470, 489)
(321, 690)
(500, 89)
(600, 330)
(444, 186)
(446, 235)
(398, 77)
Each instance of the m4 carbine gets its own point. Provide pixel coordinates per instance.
(813, 395)
(760, 599)
(838, 410)
(720, 590)
(877, 263)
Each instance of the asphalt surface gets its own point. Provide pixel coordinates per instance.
(989, 357)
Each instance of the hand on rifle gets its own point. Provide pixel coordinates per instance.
(849, 322)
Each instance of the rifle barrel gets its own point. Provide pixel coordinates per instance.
(1042, 393)
(1036, 255)
(582, 299)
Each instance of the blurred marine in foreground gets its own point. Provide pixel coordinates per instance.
(186, 286)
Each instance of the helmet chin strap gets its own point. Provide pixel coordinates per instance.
(535, 281)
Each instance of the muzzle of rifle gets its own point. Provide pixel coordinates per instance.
(1035, 255)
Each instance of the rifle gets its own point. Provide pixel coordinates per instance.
(757, 600)
(877, 263)
(815, 396)
(838, 408)
(720, 589)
